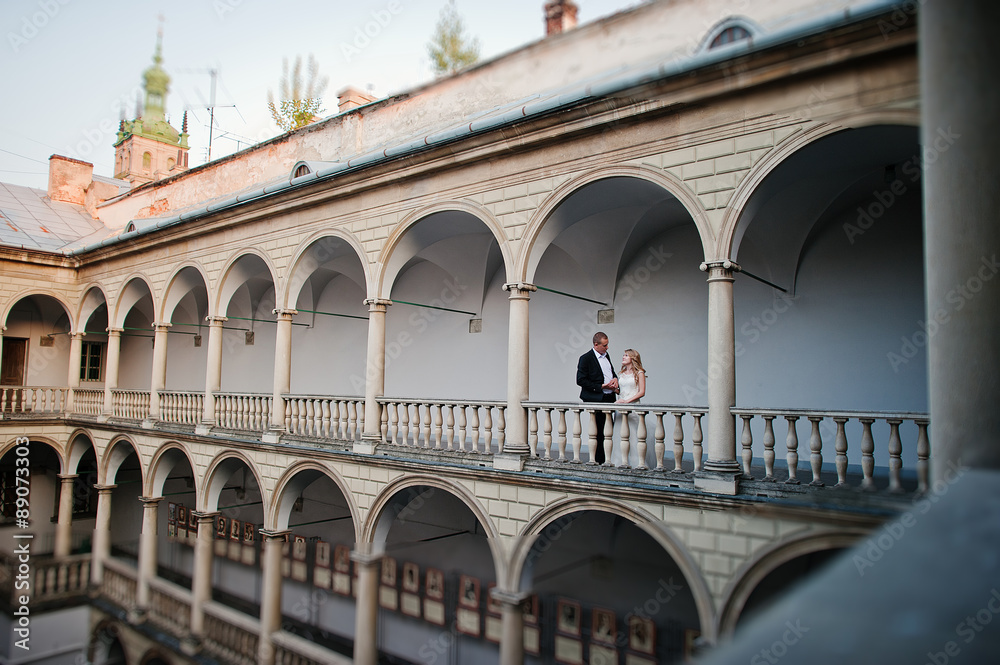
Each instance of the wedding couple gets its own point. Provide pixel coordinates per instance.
(599, 383)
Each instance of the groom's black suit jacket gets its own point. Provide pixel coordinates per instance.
(590, 377)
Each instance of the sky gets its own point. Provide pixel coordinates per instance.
(68, 68)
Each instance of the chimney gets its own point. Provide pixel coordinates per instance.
(69, 179)
(560, 16)
(350, 98)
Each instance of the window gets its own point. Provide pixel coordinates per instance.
(733, 33)
(147, 161)
(92, 361)
(8, 493)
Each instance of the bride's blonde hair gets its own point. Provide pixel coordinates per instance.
(636, 362)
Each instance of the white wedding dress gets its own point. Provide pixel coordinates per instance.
(628, 387)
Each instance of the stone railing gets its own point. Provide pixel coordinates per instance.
(130, 404)
(118, 583)
(325, 416)
(169, 606)
(230, 636)
(185, 408)
(557, 431)
(862, 428)
(470, 426)
(243, 411)
(88, 402)
(291, 649)
(33, 399)
(58, 579)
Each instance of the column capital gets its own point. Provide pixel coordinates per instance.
(66, 476)
(720, 270)
(366, 558)
(161, 325)
(376, 304)
(216, 320)
(512, 598)
(521, 289)
(114, 332)
(274, 534)
(104, 488)
(2, 330)
(284, 313)
(150, 500)
(77, 335)
(202, 516)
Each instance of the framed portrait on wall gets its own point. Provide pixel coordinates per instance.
(388, 572)
(322, 554)
(221, 535)
(192, 521)
(641, 634)
(235, 530)
(529, 611)
(603, 626)
(411, 577)
(435, 584)
(181, 514)
(342, 559)
(172, 530)
(171, 512)
(568, 617)
(469, 592)
(492, 605)
(299, 548)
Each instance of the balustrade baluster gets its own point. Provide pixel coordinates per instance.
(792, 456)
(696, 439)
(547, 432)
(353, 426)
(449, 426)
(438, 425)
(393, 409)
(867, 455)
(487, 429)
(591, 436)
(324, 430)
(533, 431)
(923, 456)
(641, 444)
(895, 456)
(561, 435)
(816, 450)
(462, 427)
(623, 438)
(678, 442)
(746, 440)
(840, 445)
(577, 430)
(769, 454)
(425, 425)
(404, 424)
(659, 441)
(501, 426)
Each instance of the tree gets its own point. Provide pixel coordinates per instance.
(448, 48)
(297, 105)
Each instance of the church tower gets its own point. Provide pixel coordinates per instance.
(148, 148)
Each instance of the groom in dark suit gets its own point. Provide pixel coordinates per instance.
(598, 383)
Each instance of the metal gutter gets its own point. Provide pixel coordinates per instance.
(667, 68)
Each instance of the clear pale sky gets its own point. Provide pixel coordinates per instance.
(68, 67)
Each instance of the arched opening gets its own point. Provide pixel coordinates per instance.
(185, 308)
(603, 589)
(247, 298)
(42, 489)
(436, 575)
(105, 647)
(176, 526)
(135, 315)
(36, 348)
(783, 579)
(125, 473)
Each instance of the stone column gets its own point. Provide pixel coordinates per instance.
(111, 371)
(366, 608)
(721, 445)
(73, 378)
(511, 627)
(282, 371)
(201, 580)
(213, 371)
(516, 442)
(960, 103)
(101, 549)
(270, 600)
(64, 526)
(375, 369)
(159, 378)
(147, 552)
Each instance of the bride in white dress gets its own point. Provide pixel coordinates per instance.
(632, 387)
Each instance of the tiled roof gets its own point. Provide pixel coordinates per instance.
(30, 219)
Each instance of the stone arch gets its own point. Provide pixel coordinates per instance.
(384, 510)
(37, 292)
(12, 442)
(380, 287)
(292, 283)
(296, 478)
(655, 528)
(529, 255)
(735, 21)
(164, 460)
(129, 294)
(218, 473)
(224, 291)
(78, 443)
(765, 561)
(172, 294)
(116, 452)
(881, 116)
(94, 296)
(154, 656)
(102, 639)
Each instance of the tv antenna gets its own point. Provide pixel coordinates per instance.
(214, 74)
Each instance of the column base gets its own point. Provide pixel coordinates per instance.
(190, 645)
(717, 482)
(104, 417)
(366, 446)
(204, 427)
(149, 423)
(136, 616)
(272, 435)
(509, 461)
